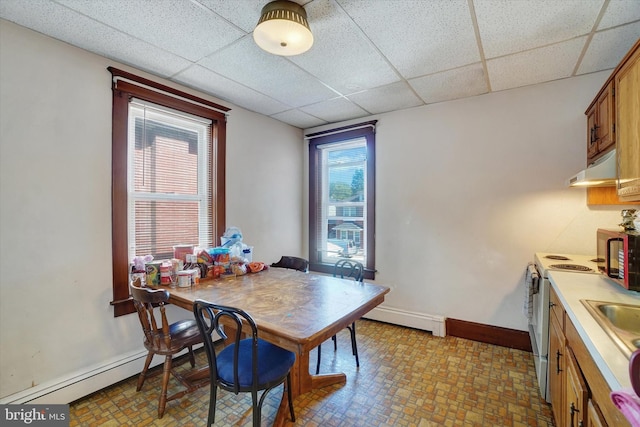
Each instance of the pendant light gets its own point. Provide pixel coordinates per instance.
(283, 29)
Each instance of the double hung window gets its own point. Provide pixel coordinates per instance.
(342, 197)
(168, 169)
(169, 180)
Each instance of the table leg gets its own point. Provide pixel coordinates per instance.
(302, 382)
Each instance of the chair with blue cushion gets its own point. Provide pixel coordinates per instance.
(245, 365)
(345, 268)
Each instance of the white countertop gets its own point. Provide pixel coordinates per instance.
(571, 288)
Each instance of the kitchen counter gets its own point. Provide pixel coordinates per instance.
(571, 288)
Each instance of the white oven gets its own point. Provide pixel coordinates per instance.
(539, 321)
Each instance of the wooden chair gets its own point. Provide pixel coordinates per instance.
(245, 365)
(165, 339)
(344, 269)
(293, 263)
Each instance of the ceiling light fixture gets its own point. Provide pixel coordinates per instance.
(283, 29)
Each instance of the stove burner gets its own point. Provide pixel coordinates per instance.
(597, 260)
(558, 257)
(572, 267)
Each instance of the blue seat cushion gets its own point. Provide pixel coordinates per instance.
(273, 363)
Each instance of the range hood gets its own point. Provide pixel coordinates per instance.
(601, 173)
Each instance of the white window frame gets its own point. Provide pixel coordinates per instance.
(327, 206)
(164, 115)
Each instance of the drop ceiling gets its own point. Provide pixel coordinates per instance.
(369, 56)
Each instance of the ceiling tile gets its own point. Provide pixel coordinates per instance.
(269, 74)
(359, 65)
(535, 66)
(335, 109)
(418, 37)
(369, 56)
(299, 119)
(206, 80)
(244, 14)
(620, 12)
(195, 31)
(396, 96)
(78, 30)
(508, 26)
(607, 48)
(452, 84)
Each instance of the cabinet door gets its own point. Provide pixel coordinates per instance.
(594, 416)
(592, 139)
(555, 308)
(557, 371)
(605, 119)
(627, 83)
(577, 393)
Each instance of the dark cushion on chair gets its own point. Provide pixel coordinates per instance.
(184, 331)
(182, 328)
(273, 363)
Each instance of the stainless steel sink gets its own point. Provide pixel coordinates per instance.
(620, 321)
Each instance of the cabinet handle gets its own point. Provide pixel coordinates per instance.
(558, 370)
(551, 305)
(594, 133)
(573, 410)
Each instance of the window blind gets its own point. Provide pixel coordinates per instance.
(169, 185)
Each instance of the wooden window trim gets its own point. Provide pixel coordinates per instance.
(124, 86)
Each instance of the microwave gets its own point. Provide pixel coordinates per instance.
(619, 257)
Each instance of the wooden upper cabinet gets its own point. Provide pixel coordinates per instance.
(605, 131)
(601, 124)
(592, 142)
(627, 84)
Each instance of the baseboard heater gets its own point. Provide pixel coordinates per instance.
(426, 322)
(84, 382)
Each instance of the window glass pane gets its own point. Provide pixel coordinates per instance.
(342, 227)
(159, 225)
(342, 193)
(166, 159)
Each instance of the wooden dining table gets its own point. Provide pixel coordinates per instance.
(294, 310)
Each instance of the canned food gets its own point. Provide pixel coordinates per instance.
(184, 279)
(165, 273)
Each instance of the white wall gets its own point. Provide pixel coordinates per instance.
(468, 190)
(56, 324)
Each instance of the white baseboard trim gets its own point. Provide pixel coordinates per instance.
(84, 382)
(426, 322)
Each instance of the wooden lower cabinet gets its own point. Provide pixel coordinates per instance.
(557, 370)
(594, 416)
(577, 394)
(599, 390)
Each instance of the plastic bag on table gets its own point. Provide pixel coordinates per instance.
(231, 236)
